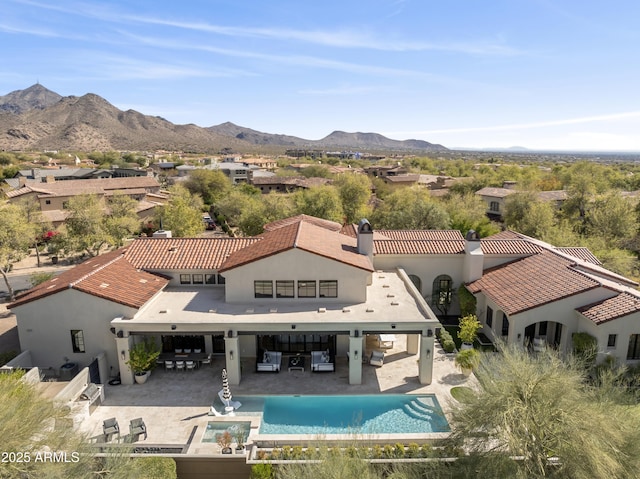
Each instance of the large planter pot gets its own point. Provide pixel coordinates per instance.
(466, 372)
(227, 450)
(141, 378)
(466, 346)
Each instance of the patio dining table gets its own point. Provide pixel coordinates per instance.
(197, 357)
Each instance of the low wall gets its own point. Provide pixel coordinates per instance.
(21, 361)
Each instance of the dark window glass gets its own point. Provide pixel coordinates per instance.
(542, 329)
(210, 278)
(505, 325)
(306, 289)
(634, 347)
(489, 317)
(221, 279)
(611, 341)
(263, 289)
(77, 340)
(185, 279)
(198, 279)
(328, 289)
(285, 289)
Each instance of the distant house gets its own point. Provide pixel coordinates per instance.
(495, 198)
(286, 184)
(52, 197)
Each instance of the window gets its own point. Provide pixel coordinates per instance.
(634, 347)
(198, 279)
(505, 325)
(611, 341)
(210, 279)
(285, 289)
(494, 206)
(542, 328)
(489, 320)
(328, 289)
(185, 279)
(263, 289)
(221, 279)
(306, 289)
(47, 202)
(442, 290)
(77, 340)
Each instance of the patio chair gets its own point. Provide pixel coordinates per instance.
(179, 365)
(377, 358)
(169, 365)
(137, 427)
(207, 360)
(110, 427)
(191, 365)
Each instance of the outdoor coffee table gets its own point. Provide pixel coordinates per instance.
(296, 363)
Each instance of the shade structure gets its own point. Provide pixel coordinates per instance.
(226, 392)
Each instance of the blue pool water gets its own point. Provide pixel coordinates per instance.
(361, 414)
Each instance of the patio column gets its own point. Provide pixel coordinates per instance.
(208, 343)
(425, 361)
(232, 356)
(413, 343)
(355, 359)
(123, 345)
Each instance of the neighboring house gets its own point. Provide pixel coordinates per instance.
(286, 184)
(495, 198)
(50, 175)
(52, 197)
(309, 284)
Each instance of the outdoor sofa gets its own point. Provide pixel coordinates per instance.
(271, 361)
(321, 361)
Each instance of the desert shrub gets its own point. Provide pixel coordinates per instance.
(262, 471)
(413, 450)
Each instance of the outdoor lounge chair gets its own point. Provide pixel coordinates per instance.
(321, 361)
(137, 427)
(377, 358)
(271, 361)
(110, 427)
(232, 403)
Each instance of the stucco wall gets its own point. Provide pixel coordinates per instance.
(299, 266)
(623, 327)
(45, 325)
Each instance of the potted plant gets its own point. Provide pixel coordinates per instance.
(224, 441)
(240, 435)
(467, 360)
(142, 359)
(469, 327)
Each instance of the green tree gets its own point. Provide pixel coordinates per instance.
(211, 185)
(467, 212)
(320, 201)
(85, 224)
(612, 217)
(182, 214)
(583, 180)
(122, 221)
(410, 208)
(355, 192)
(537, 407)
(528, 215)
(16, 236)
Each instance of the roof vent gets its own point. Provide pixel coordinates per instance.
(394, 303)
(385, 285)
(391, 295)
(369, 310)
(346, 310)
(104, 285)
(213, 310)
(172, 248)
(164, 311)
(322, 310)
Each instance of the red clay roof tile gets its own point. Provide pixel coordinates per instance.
(620, 305)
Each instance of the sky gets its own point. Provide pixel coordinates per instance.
(538, 74)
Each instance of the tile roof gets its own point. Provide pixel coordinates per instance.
(98, 186)
(514, 288)
(495, 192)
(509, 247)
(581, 253)
(109, 276)
(402, 178)
(428, 235)
(609, 309)
(330, 225)
(306, 236)
(184, 253)
(418, 246)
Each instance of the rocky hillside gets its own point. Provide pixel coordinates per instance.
(37, 118)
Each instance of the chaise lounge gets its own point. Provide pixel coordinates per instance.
(321, 361)
(377, 358)
(271, 361)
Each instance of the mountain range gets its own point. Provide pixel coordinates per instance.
(39, 119)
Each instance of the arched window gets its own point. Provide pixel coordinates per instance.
(417, 282)
(442, 292)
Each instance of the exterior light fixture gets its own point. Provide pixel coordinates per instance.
(429, 333)
(122, 354)
(230, 333)
(293, 326)
(355, 354)
(356, 333)
(393, 326)
(173, 327)
(428, 353)
(231, 354)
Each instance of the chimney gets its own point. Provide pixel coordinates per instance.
(365, 238)
(161, 234)
(50, 179)
(473, 257)
(22, 181)
(509, 185)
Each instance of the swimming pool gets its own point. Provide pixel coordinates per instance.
(214, 429)
(361, 414)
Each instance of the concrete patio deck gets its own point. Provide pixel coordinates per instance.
(175, 404)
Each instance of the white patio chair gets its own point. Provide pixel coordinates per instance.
(207, 360)
(179, 365)
(377, 358)
(191, 365)
(169, 365)
(197, 351)
(187, 351)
